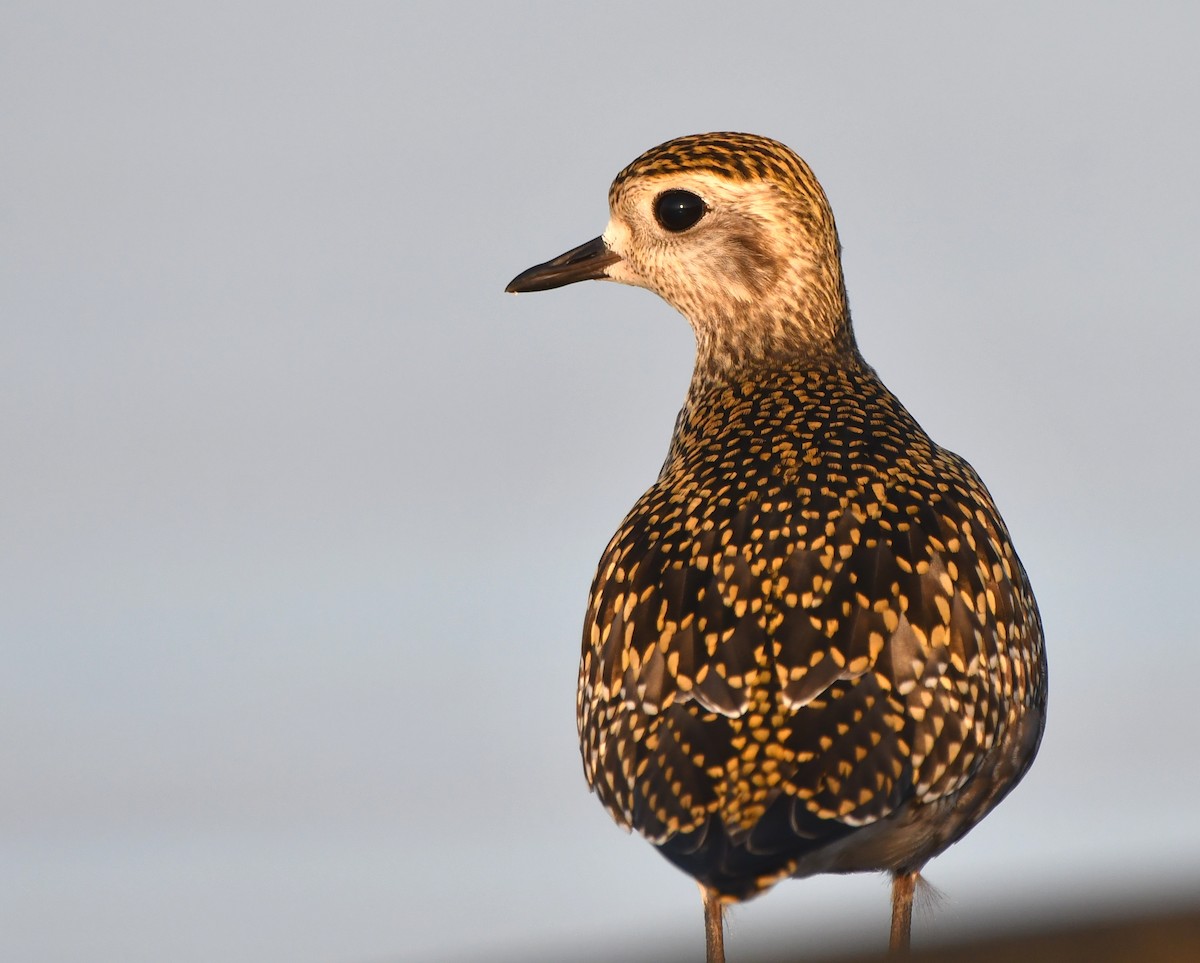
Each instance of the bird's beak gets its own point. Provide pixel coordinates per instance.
(587, 262)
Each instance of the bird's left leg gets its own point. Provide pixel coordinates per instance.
(714, 936)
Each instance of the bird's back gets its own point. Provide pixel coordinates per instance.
(810, 646)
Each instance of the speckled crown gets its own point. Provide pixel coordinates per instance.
(739, 157)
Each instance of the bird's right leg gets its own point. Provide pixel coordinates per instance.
(903, 887)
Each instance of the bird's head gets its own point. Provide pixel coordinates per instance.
(732, 230)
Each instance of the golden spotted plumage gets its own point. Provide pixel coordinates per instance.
(810, 646)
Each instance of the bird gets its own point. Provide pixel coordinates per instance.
(810, 647)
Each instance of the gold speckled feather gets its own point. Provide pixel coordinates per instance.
(810, 646)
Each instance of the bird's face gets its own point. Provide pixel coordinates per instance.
(701, 242)
(708, 246)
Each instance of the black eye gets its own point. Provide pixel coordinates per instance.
(678, 210)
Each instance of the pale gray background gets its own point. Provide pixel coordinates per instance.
(299, 511)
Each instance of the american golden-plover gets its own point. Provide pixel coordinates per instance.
(810, 647)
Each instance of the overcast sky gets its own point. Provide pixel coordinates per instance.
(299, 511)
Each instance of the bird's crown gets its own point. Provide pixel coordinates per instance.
(738, 157)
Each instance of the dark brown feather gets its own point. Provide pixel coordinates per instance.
(811, 623)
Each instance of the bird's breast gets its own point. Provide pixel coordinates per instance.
(812, 600)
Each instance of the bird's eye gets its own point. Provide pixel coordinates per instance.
(678, 210)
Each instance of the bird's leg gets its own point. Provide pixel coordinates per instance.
(903, 887)
(714, 938)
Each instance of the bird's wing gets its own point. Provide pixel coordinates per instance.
(847, 652)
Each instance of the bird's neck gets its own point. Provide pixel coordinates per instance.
(793, 315)
(729, 352)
